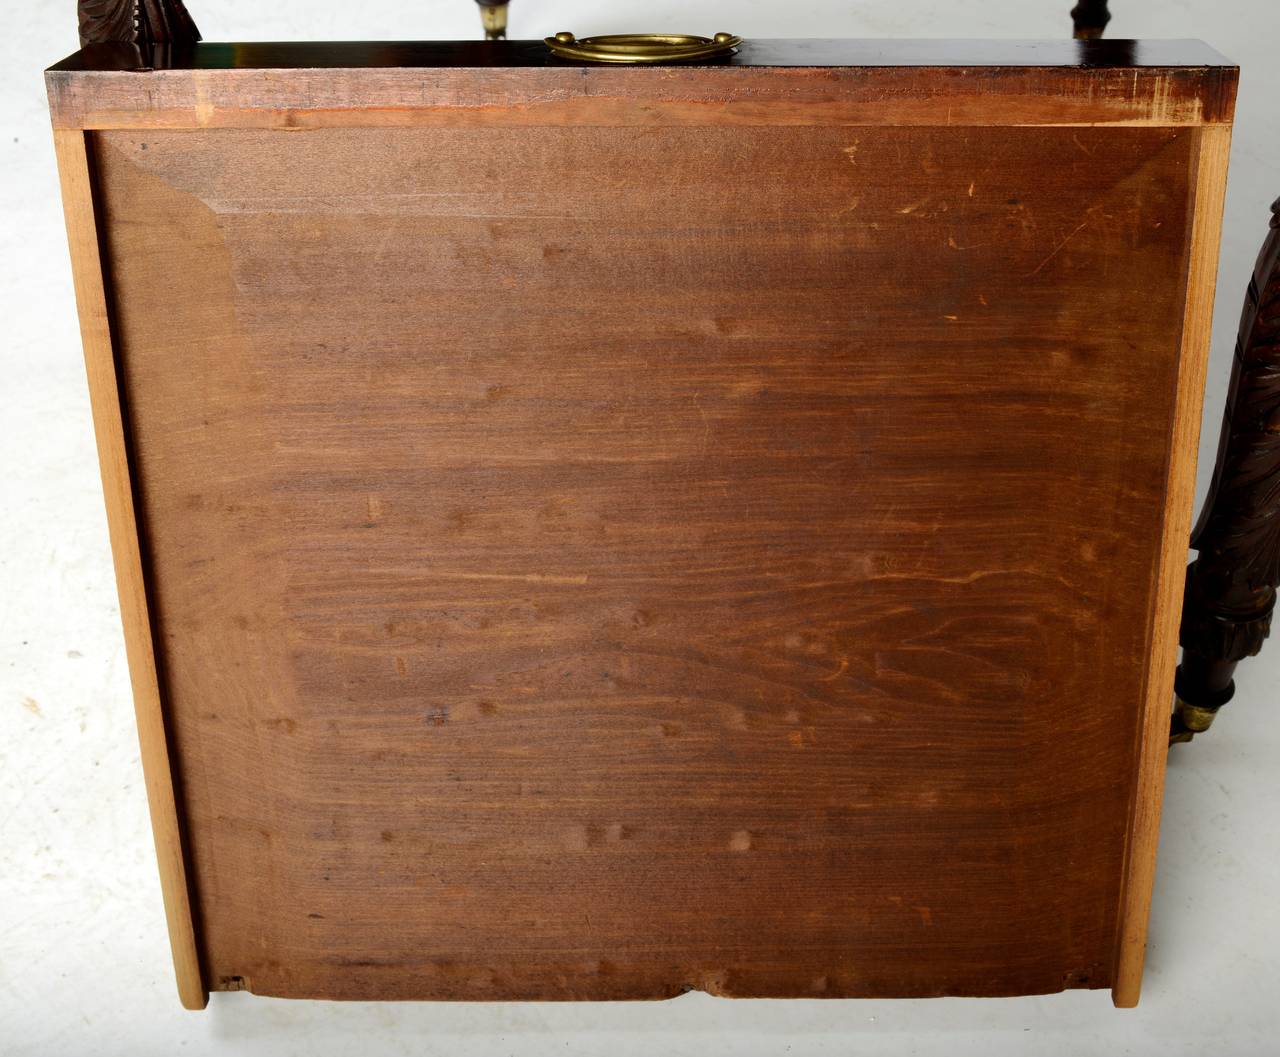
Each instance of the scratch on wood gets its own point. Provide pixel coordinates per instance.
(526, 578)
(1058, 248)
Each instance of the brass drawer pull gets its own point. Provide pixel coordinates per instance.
(642, 47)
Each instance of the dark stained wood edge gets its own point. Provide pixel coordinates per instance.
(109, 431)
(799, 53)
(1231, 586)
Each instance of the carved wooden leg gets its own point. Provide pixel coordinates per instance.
(1090, 18)
(145, 23)
(1231, 586)
(493, 14)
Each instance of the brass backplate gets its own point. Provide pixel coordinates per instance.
(642, 47)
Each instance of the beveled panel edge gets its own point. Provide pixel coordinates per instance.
(110, 433)
(1212, 153)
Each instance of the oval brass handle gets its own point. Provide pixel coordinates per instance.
(642, 47)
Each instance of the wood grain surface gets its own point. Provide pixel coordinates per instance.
(1213, 147)
(770, 83)
(117, 488)
(605, 562)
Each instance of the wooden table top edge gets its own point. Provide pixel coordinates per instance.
(1005, 83)
(797, 53)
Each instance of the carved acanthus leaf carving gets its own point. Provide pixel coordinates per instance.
(141, 22)
(1239, 533)
(1231, 586)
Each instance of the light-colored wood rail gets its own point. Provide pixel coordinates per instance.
(95, 328)
(1144, 828)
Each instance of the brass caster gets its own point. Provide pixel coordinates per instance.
(494, 18)
(1188, 721)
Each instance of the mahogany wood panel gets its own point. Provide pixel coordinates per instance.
(601, 562)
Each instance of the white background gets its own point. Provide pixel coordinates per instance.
(84, 960)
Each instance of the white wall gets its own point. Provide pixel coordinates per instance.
(84, 963)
